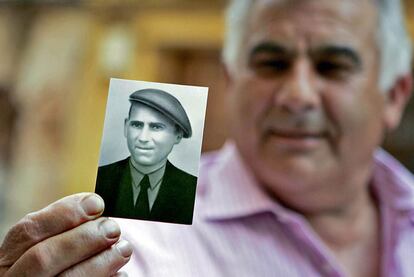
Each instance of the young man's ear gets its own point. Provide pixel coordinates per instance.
(126, 122)
(396, 100)
(179, 135)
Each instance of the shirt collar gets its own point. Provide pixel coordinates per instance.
(154, 177)
(233, 191)
(393, 184)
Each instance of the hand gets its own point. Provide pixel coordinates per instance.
(67, 238)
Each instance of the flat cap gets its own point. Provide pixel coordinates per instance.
(166, 104)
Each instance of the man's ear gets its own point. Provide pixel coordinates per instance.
(396, 100)
(126, 127)
(229, 84)
(179, 136)
(227, 75)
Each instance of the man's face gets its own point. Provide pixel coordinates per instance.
(150, 136)
(307, 111)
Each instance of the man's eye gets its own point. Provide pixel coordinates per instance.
(271, 66)
(136, 124)
(332, 69)
(157, 127)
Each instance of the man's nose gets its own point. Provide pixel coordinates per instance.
(144, 135)
(299, 92)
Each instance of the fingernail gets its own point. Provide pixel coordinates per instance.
(92, 204)
(124, 248)
(111, 229)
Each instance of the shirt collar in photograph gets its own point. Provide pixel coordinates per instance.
(155, 177)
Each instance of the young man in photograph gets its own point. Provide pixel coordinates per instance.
(146, 185)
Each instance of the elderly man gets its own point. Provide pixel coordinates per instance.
(146, 185)
(301, 188)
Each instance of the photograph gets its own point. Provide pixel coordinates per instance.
(150, 150)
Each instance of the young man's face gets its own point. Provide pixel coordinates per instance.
(307, 110)
(150, 137)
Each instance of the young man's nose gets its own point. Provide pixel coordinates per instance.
(144, 135)
(299, 92)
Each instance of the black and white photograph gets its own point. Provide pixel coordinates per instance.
(150, 150)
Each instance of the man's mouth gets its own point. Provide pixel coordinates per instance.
(143, 148)
(298, 134)
(297, 139)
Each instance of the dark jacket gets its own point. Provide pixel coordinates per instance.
(174, 202)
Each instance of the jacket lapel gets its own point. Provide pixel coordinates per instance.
(125, 199)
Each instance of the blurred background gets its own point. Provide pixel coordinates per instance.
(57, 58)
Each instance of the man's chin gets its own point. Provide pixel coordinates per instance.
(294, 173)
(143, 161)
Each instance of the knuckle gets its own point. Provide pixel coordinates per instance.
(85, 237)
(40, 258)
(106, 263)
(109, 262)
(30, 226)
(22, 234)
(108, 258)
(113, 260)
(27, 229)
(76, 271)
(70, 210)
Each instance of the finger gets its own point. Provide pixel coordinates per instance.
(56, 218)
(120, 274)
(60, 252)
(106, 263)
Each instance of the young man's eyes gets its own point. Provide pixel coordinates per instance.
(136, 124)
(152, 126)
(157, 126)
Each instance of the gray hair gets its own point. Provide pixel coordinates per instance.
(393, 39)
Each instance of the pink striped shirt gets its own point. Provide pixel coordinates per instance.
(239, 231)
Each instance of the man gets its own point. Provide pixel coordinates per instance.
(146, 185)
(301, 188)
